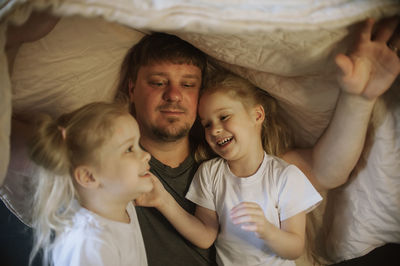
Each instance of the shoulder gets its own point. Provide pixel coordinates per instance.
(282, 171)
(274, 165)
(297, 157)
(210, 172)
(85, 244)
(87, 226)
(212, 165)
(302, 158)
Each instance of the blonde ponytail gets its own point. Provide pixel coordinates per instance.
(55, 191)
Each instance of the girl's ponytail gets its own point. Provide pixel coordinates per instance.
(48, 146)
(55, 191)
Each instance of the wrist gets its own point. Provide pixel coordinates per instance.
(166, 201)
(357, 101)
(269, 232)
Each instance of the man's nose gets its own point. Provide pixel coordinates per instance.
(172, 93)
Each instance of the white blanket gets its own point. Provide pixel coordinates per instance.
(285, 47)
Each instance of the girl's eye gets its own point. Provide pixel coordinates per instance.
(224, 117)
(206, 125)
(130, 149)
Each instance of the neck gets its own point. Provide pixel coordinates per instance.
(107, 208)
(247, 165)
(169, 153)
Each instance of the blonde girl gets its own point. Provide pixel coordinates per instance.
(251, 203)
(91, 167)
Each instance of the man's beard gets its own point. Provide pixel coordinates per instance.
(171, 134)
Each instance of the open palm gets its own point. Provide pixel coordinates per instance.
(371, 66)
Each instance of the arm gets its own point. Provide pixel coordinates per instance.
(287, 242)
(200, 229)
(329, 163)
(367, 72)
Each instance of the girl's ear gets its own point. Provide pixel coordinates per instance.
(259, 114)
(84, 177)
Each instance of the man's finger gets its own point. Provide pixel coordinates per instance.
(345, 64)
(366, 30)
(385, 29)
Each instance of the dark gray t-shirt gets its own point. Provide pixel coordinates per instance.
(164, 245)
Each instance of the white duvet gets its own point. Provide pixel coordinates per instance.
(285, 47)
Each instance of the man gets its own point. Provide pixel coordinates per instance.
(162, 76)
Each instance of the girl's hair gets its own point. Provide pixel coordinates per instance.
(275, 134)
(58, 146)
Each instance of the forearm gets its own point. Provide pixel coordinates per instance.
(188, 225)
(338, 150)
(285, 244)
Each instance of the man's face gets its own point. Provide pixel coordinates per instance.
(165, 97)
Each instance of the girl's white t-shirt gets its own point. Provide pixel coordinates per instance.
(95, 240)
(281, 190)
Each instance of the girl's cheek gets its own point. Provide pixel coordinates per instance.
(208, 138)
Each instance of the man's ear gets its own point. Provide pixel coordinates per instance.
(259, 114)
(84, 177)
(130, 89)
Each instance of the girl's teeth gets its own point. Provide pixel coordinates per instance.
(222, 142)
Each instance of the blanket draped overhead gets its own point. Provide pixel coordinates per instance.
(284, 47)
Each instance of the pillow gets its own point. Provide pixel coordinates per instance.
(49, 75)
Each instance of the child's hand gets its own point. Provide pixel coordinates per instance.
(371, 66)
(250, 217)
(155, 197)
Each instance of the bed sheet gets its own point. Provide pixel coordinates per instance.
(292, 46)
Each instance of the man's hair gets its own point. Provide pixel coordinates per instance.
(157, 48)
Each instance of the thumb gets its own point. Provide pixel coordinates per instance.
(345, 65)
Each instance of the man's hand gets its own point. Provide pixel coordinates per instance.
(371, 66)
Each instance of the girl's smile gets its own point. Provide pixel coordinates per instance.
(231, 129)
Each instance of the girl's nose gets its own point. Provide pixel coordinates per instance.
(146, 156)
(216, 130)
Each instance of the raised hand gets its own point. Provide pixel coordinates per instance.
(371, 66)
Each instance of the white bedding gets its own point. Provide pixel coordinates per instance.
(285, 47)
